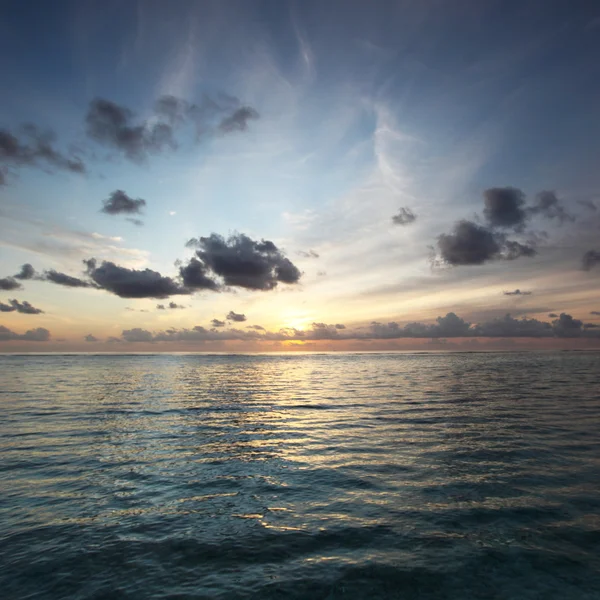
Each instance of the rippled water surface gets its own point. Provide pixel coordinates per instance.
(307, 476)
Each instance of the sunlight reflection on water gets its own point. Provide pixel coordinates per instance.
(325, 476)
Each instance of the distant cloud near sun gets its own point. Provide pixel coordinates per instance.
(517, 292)
(449, 326)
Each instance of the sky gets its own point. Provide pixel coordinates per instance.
(270, 176)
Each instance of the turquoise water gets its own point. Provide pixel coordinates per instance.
(307, 476)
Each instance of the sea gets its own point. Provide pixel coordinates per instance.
(319, 476)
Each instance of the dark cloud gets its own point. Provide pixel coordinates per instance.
(588, 204)
(504, 207)
(171, 305)
(115, 126)
(9, 283)
(567, 326)
(590, 259)
(26, 272)
(132, 283)
(233, 316)
(517, 292)
(114, 340)
(468, 244)
(472, 244)
(449, 326)
(243, 262)
(404, 217)
(548, 205)
(595, 312)
(591, 326)
(256, 327)
(137, 335)
(217, 323)
(307, 254)
(64, 279)
(22, 307)
(35, 149)
(508, 327)
(340, 326)
(90, 338)
(32, 335)
(238, 120)
(512, 250)
(194, 276)
(552, 315)
(120, 203)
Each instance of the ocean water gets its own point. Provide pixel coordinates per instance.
(455, 476)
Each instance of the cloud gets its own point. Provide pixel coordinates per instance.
(114, 126)
(472, 244)
(233, 316)
(132, 283)
(217, 323)
(26, 272)
(64, 279)
(308, 254)
(449, 326)
(9, 283)
(595, 312)
(90, 338)
(137, 335)
(34, 149)
(22, 307)
(31, 335)
(242, 262)
(468, 244)
(404, 217)
(548, 205)
(508, 327)
(120, 203)
(588, 204)
(590, 259)
(238, 120)
(567, 326)
(136, 222)
(171, 305)
(552, 315)
(504, 207)
(591, 326)
(118, 127)
(194, 276)
(517, 292)
(340, 326)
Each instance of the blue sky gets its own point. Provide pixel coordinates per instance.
(359, 109)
